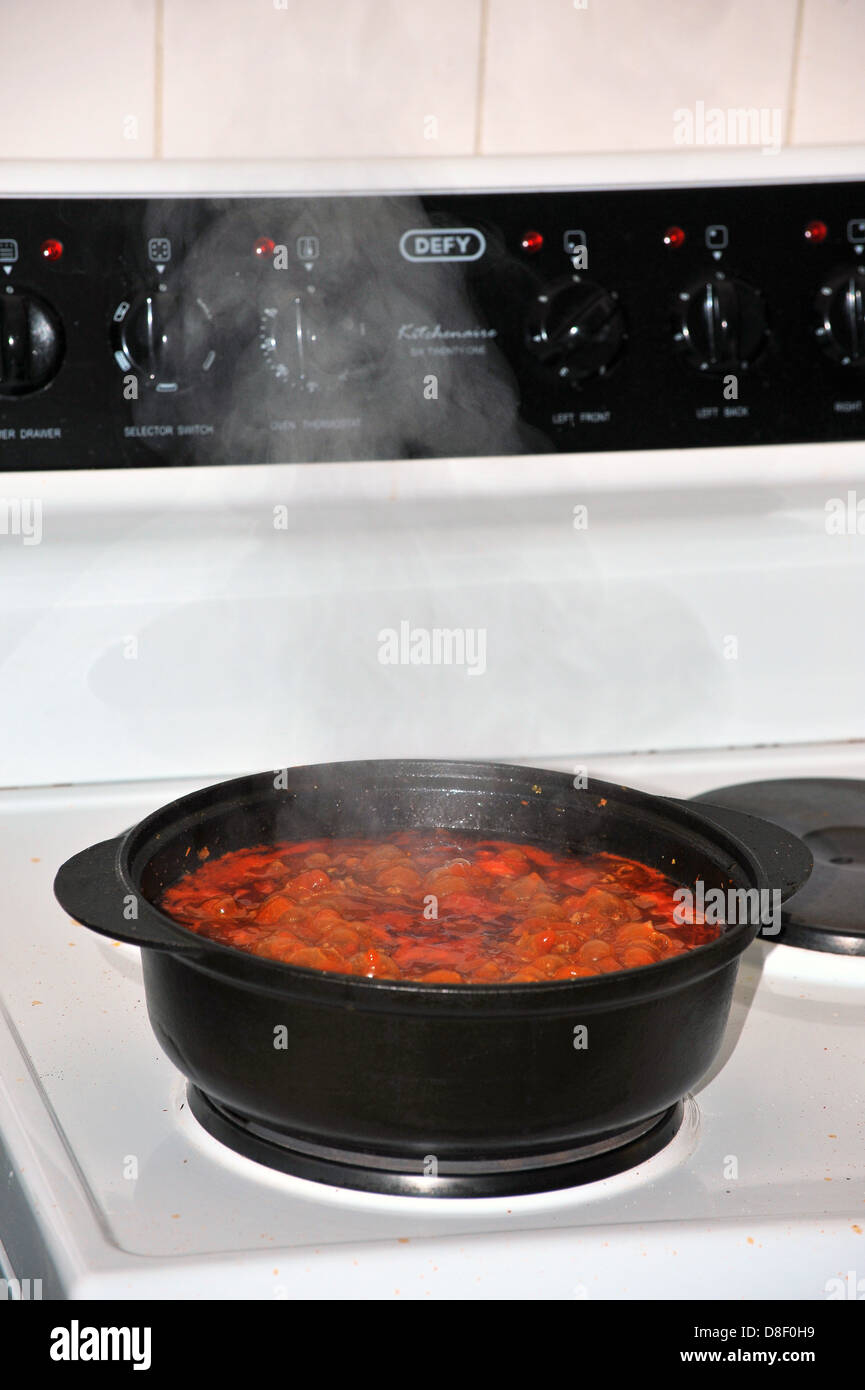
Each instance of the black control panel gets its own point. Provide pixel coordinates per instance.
(142, 332)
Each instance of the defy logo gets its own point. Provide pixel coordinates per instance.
(443, 244)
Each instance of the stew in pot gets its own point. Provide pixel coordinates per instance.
(436, 906)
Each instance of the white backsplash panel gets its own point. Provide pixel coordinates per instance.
(185, 622)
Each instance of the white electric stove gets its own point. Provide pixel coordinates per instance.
(674, 618)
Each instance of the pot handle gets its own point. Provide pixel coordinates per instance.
(785, 857)
(89, 887)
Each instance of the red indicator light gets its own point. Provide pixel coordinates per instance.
(51, 250)
(265, 246)
(532, 242)
(674, 236)
(816, 231)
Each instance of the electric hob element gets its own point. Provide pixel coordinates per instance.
(828, 814)
(603, 1158)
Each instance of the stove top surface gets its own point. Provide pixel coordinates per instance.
(116, 1190)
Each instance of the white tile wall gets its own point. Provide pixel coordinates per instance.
(286, 78)
(77, 79)
(610, 76)
(830, 88)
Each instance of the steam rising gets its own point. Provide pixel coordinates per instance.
(354, 353)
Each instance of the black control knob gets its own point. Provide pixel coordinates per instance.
(841, 313)
(164, 338)
(720, 324)
(31, 343)
(575, 328)
(314, 342)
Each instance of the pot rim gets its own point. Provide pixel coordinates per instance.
(689, 821)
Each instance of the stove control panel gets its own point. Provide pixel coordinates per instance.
(141, 332)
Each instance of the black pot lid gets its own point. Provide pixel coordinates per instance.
(828, 815)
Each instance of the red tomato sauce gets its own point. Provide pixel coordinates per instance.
(436, 906)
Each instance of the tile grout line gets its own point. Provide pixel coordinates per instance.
(482, 73)
(794, 70)
(158, 74)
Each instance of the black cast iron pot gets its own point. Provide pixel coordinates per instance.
(432, 1089)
